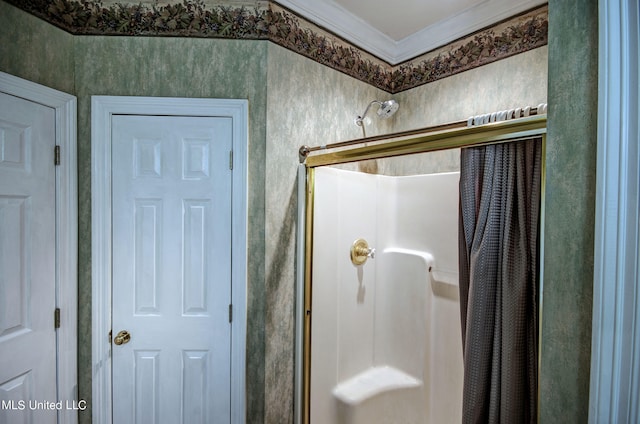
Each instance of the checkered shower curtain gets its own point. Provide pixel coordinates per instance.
(499, 279)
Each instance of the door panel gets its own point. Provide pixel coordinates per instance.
(27, 261)
(171, 194)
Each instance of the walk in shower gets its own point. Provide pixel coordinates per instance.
(379, 331)
(387, 331)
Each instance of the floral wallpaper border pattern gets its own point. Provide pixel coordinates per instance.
(269, 21)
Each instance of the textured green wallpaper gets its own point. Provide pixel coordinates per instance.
(34, 50)
(175, 67)
(307, 104)
(517, 81)
(569, 218)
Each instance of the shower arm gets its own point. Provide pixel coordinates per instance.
(360, 118)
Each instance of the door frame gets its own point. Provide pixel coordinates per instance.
(102, 109)
(615, 339)
(65, 110)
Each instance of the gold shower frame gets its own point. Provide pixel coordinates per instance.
(400, 145)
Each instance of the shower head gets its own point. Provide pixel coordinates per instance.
(386, 110)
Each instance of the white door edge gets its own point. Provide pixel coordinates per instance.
(615, 343)
(102, 108)
(65, 106)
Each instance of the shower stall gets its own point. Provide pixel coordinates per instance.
(378, 304)
(386, 335)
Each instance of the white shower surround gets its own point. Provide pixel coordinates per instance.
(386, 343)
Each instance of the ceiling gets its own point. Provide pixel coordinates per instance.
(399, 30)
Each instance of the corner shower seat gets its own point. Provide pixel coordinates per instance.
(380, 395)
(372, 382)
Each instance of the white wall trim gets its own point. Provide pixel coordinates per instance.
(65, 107)
(336, 18)
(615, 363)
(102, 109)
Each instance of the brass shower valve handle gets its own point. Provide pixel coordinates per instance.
(360, 252)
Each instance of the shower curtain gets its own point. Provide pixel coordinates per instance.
(499, 278)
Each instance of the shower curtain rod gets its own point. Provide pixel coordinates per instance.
(305, 150)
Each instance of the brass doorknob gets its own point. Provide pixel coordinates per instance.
(122, 337)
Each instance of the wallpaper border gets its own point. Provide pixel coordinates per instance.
(267, 20)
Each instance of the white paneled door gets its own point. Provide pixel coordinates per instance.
(27, 262)
(171, 287)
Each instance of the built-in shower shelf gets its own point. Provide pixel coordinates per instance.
(439, 275)
(372, 382)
